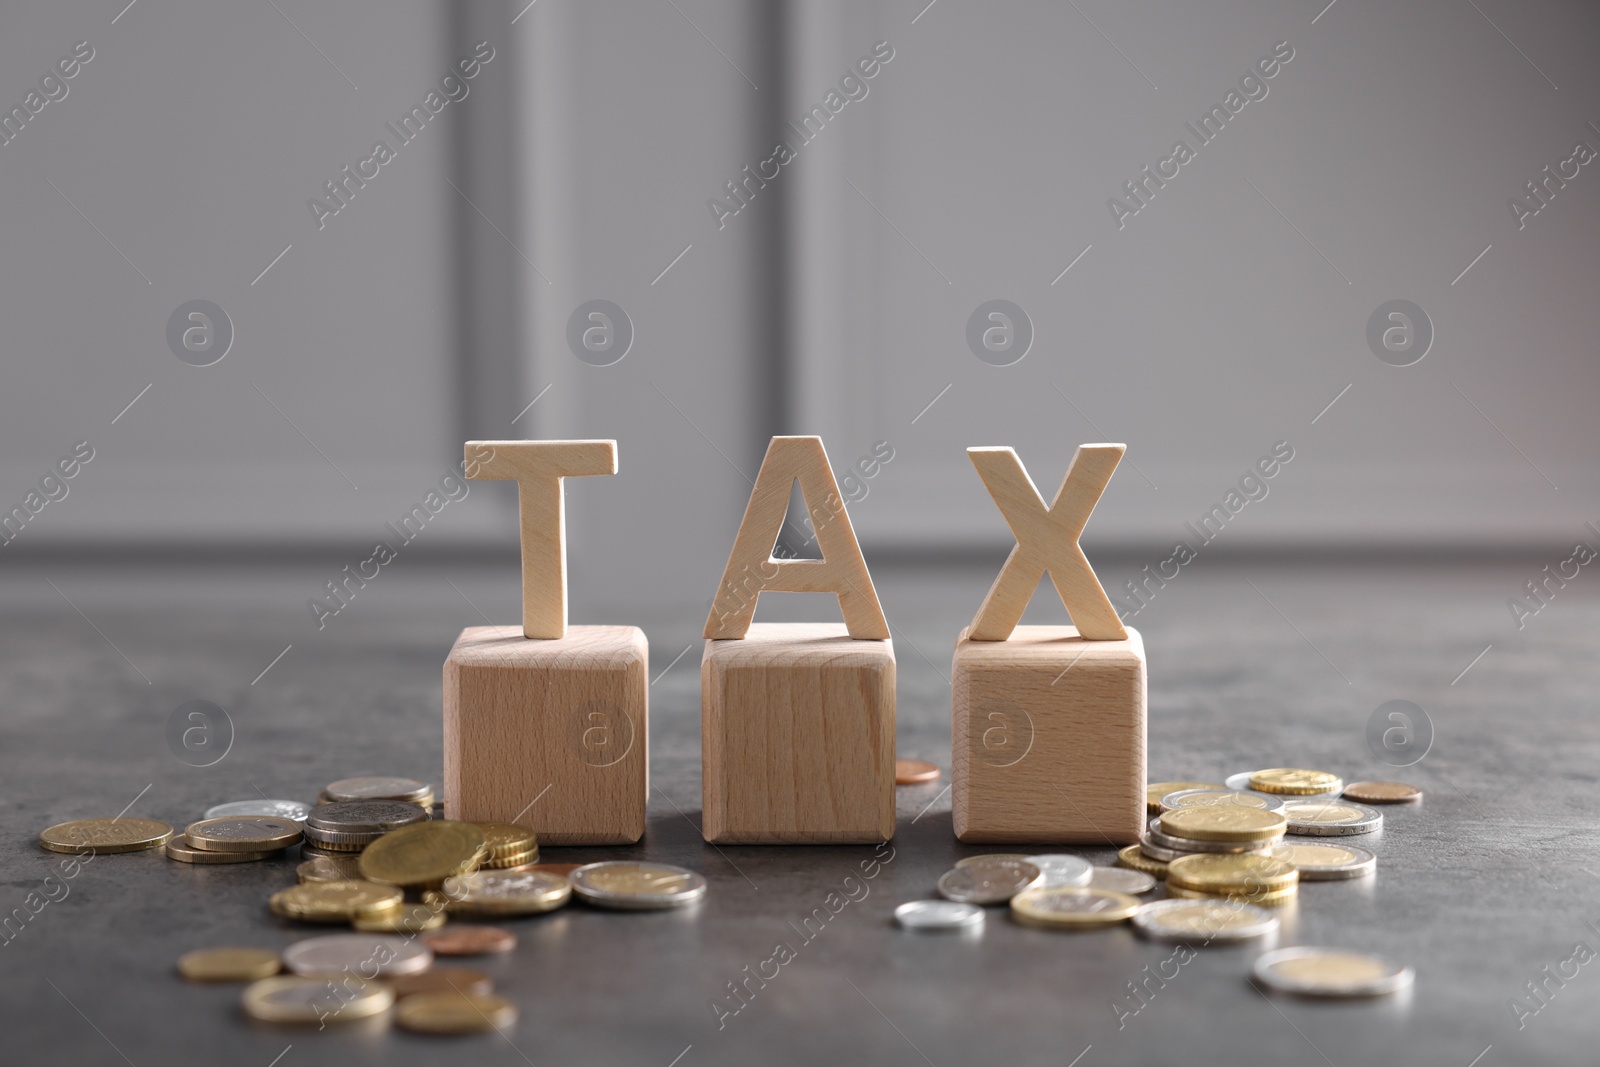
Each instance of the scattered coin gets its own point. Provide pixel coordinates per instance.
(1296, 781)
(631, 886)
(1071, 908)
(1277, 898)
(283, 809)
(323, 869)
(229, 964)
(1156, 790)
(506, 892)
(1134, 859)
(424, 854)
(914, 772)
(406, 919)
(367, 955)
(1327, 972)
(1223, 824)
(380, 787)
(1186, 845)
(293, 999)
(454, 1013)
(1232, 875)
(354, 824)
(243, 833)
(937, 915)
(458, 980)
(179, 849)
(335, 902)
(989, 880)
(105, 835)
(1219, 797)
(1063, 869)
(987, 856)
(1327, 862)
(1121, 880)
(1383, 792)
(1203, 921)
(460, 940)
(1328, 817)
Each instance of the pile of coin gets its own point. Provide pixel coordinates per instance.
(379, 787)
(234, 839)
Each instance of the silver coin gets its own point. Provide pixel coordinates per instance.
(1121, 880)
(361, 817)
(283, 809)
(1157, 852)
(361, 955)
(1326, 861)
(1330, 816)
(1203, 922)
(990, 856)
(1241, 782)
(379, 787)
(1189, 846)
(1062, 869)
(1243, 798)
(987, 880)
(629, 886)
(938, 915)
(1330, 972)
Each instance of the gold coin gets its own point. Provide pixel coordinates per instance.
(508, 839)
(292, 999)
(506, 892)
(1232, 874)
(1383, 792)
(455, 1013)
(1275, 899)
(229, 964)
(457, 980)
(516, 862)
(1295, 780)
(323, 869)
(1324, 812)
(1134, 859)
(1071, 908)
(406, 919)
(1223, 824)
(424, 854)
(179, 849)
(1154, 793)
(242, 833)
(105, 835)
(335, 902)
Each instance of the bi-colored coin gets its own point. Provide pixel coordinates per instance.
(989, 880)
(369, 955)
(379, 787)
(243, 833)
(1278, 898)
(938, 915)
(1327, 861)
(914, 772)
(1223, 824)
(1327, 972)
(1063, 869)
(283, 809)
(103, 836)
(424, 854)
(470, 940)
(508, 840)
(1134, 859)
(1382, 792)
(629, 886)
(1296, 781)
(1203, 922)
(1220, 797)
(335, 902)
(1151, 849)
(179, 849)
(406, 919)
(455, 1013)
(1234, 875)
(1331, 817)
(1068, 908)
(506, 892)
(229, 964)
(1121, 880)
(289, 998)
(1170, 843)
(1156, 790)
(457, 980)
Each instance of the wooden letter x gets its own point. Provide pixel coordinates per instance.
(1047, 540)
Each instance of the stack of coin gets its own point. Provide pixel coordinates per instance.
(1211, 828)
(379, 787)
(511, 847)
(1156, 790)
(234, 839)
(1253, 879)
(1293, 781)
(352, 825)
(283, 809)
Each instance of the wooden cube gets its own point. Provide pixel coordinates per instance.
(797, 736)
(1048, 738)
(550, 734)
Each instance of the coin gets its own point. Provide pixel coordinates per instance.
(562, 869)
(322, 869)
(459, 940)
(424, 854)
(179, 849)
(508, 839)
(989, 880)
(1203, 921)
(334, 902)
(514, 863)
(1121, 880)
(293, 999)
(1220, 797)
(229, 964)
(1063, 869)
(1156, 790)
(242, 833)
(1230, 874)
(347, 863)
(406, 919)
(1277, 898)
(506, 892)
(1327, 972)
(987, 856)
(283, 809)
(354, 824)
(367, 955)
(1382, 792)
(1296, 781)
(1151, 850)
(102, 836)
(454, 1013)
(914, 772)
(1223, 824)
(1327, 862)
(458, 980)
(1067, 908)
(1327, 817)
(1186, 845)
(1133, 858)
(379, 787)
(936, 915)
(637, 886)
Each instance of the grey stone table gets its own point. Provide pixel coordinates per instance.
(1486, 883)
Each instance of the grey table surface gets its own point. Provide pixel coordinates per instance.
(1487, 882)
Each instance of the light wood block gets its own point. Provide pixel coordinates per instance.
(1048, 738)
(797, 736)
(549, 734)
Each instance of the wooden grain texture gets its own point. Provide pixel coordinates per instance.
(1047, 539)
(797, 736)
(752, 569)
(1048, 738)
(549, 734)
(538, 468)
